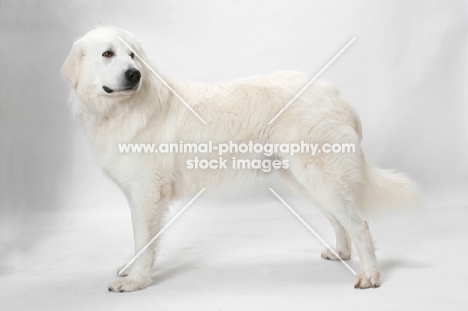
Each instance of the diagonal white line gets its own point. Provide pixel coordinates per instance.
(312, 230)
(160, 232)
(313, 79)
(162, 80)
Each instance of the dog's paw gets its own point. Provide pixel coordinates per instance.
(129, 284)
(126, 272)
(367, 280)
(328, 255)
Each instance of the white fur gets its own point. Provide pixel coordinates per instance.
(342, 185)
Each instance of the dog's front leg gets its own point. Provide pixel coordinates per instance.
(148, 209)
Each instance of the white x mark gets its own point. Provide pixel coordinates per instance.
(312, 230)
(162, 80)
(312, 81)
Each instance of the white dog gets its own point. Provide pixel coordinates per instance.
(119, 100)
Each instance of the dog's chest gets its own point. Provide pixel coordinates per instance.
(113, 148)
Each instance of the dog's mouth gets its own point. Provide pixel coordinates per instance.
(130, 88)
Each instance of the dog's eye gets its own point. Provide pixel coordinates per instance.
(108, 54)
(132, 55)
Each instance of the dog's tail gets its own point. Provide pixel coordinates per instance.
(385, 191)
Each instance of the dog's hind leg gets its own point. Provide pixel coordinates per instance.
(343, 242)
(345, 212)
(335, 198)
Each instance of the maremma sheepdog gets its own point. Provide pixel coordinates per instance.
(118, 99)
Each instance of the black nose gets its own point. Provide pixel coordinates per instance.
(133, 75)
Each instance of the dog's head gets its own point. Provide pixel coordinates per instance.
(101, 64)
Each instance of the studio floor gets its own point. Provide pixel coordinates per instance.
(238, 254)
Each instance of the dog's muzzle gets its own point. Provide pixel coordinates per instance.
(132, 78)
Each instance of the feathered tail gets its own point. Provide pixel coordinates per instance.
(385, 191)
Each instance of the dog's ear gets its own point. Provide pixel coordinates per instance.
(71, 66)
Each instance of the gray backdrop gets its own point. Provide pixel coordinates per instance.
(406, 74)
